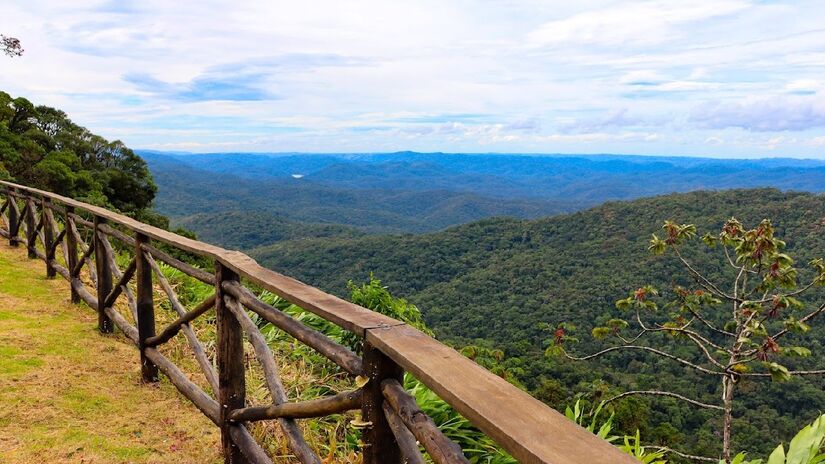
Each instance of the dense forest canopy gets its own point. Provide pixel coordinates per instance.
(496, 282)
(41, 147)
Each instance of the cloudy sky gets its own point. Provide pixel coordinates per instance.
(734, 78)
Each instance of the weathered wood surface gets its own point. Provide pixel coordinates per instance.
(131, 301)
(380, 445)
(230, 360)
(528, 429)
(31, 227)
(295, 439)
(128, 329)
(14, 221)
(112, 232)
(192, 271)
(145, 307)
(410, 454)
(440, 448)
(250, 449)
(49, 239)
(335, 352)
(172, 329)
(320, 407)
(88, 251)
(122, 282)
(104, 278)
(189, 389)
(188, 332)
(70, 250)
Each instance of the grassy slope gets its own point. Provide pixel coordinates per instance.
(72, 395)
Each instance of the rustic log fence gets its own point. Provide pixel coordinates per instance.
(397, 429)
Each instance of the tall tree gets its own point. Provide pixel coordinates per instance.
(736, 333)
(42, 147)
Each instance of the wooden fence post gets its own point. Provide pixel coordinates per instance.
(71, 250)
(145, 308)
(230, 354)
(14, 219)
(104, 278)
(31, 226)
(380, 443)
(48, 236)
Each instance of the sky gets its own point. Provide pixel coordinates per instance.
(722, 78)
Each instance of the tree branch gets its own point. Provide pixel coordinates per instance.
(643, 348)
(681, 454)
(664, 393)
(708, 285)
(709, 325)
(766, 374)
(806, 318)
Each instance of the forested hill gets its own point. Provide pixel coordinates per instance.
(488, 278)
(424, 192)
(41, 147)
(195, 186)
(494, 281)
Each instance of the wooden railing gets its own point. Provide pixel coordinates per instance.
(397, 429)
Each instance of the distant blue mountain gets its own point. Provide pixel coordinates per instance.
(421, 192)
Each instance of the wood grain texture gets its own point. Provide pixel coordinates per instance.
(145, 307)
(410, 454)
(295, 439)
(104, 279)
(335, 352)
(231, 365)
(319, 407)
(527, 428)
(49, 239)
(440, 448)
(380, 446)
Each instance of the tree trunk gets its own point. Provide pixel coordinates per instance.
(727, 421)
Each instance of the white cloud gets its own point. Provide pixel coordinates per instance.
(647, 23)
(763, 114)
(650, 76)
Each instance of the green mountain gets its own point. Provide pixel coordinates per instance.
(246, 229)
(492, 282)
(186, 189)
(425, 192)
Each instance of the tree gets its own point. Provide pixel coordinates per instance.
(40, 146)
(11, 46)
(735, 335)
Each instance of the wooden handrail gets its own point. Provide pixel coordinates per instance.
(528, 429)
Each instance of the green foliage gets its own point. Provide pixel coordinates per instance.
(496, 282)
(804, 448)
(241, 230)
(41, 147)
(372, 295)
(591, 420)
(633, 446)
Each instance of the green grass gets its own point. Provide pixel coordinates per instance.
(74, 395)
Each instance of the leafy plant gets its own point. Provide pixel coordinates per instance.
(633, 446)
(804, 448)
(734, 334)
(590, 420)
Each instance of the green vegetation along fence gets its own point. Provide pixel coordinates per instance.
(396, 429)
